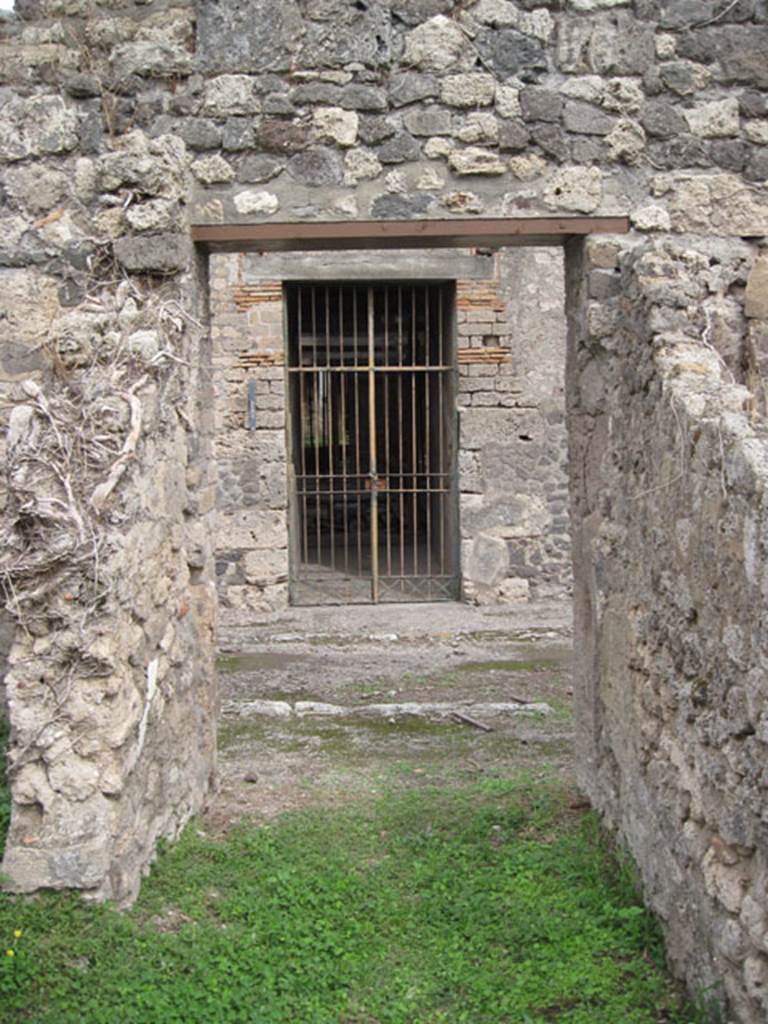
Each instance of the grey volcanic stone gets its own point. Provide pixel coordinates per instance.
(278, 103)
(684, 13)
(741, 50)
(414, 12)
(552, 139)
(509, 52)
(248, 35)
(513, 136)
(82, 87)
(682, 151)
(620, 45)
(372, 130)
(662, 119)
(317, 166)
(730, 154)
(258, 168)
(400, 207)
(588, 149)
(237, 134)
(155, 254)
(539, 104)
(316, 92)
(753, 104)
(757, 164)
(433, 121)
(410, 87)
(586, 119)
(398, 149)
(363, 97)
(284, 137)
(200, 133)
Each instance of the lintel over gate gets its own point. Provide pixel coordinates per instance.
(401, 234)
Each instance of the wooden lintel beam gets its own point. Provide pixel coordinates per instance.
(395, 234)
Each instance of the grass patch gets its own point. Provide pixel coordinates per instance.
(489, 904)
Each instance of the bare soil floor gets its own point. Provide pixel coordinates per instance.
(279, 753)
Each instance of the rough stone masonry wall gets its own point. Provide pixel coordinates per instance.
(406, 108)
(510, 323)
(669, 469)
(105, 558)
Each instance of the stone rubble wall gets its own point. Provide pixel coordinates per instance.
(669, 475)
(515, 540)
(105, 561)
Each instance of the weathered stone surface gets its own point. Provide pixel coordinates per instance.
(586, 119)
(254, 201)
(152, 254)
(200, 133)
(756, 296)
(428, 121)
(508, 51)
(316, 166)
(257, 169)
(230, 95)
(363, 97)
(478, 127)
(39, 126)
(438, 45)
(620, 45)
(360, 165)
(574, 188)
(539, 104)
(507, 101)
(714, 120)
(513, 135)
(741, 52)
(475, 160)
(410, 87)
(150, 60)
(212, 170)
(281, 137)
(237, 134)
(662, 119)
(333, 124)
(400, 207)
(713, 203)
(399, 148)
(475, 89)
(626, 142)
(552, 140)
(488, 561)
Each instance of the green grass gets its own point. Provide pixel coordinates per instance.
(489, 904)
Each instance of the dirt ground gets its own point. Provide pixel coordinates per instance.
(277, 753)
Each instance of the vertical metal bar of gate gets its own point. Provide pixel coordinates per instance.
(374, 509)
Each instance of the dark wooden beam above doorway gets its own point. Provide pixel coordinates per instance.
(401, 234)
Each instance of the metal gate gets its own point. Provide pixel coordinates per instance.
(373, 426)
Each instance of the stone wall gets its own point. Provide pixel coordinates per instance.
(669, 468)
(512, 483)
(122, 122)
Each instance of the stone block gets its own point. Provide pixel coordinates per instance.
(756, 295)
(438, 44)
(153, 254)
(475, 89)
(475, 160)
(486, 562)
(714, 120)
(579, 189)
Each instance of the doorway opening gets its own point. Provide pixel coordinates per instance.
(372, 439)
